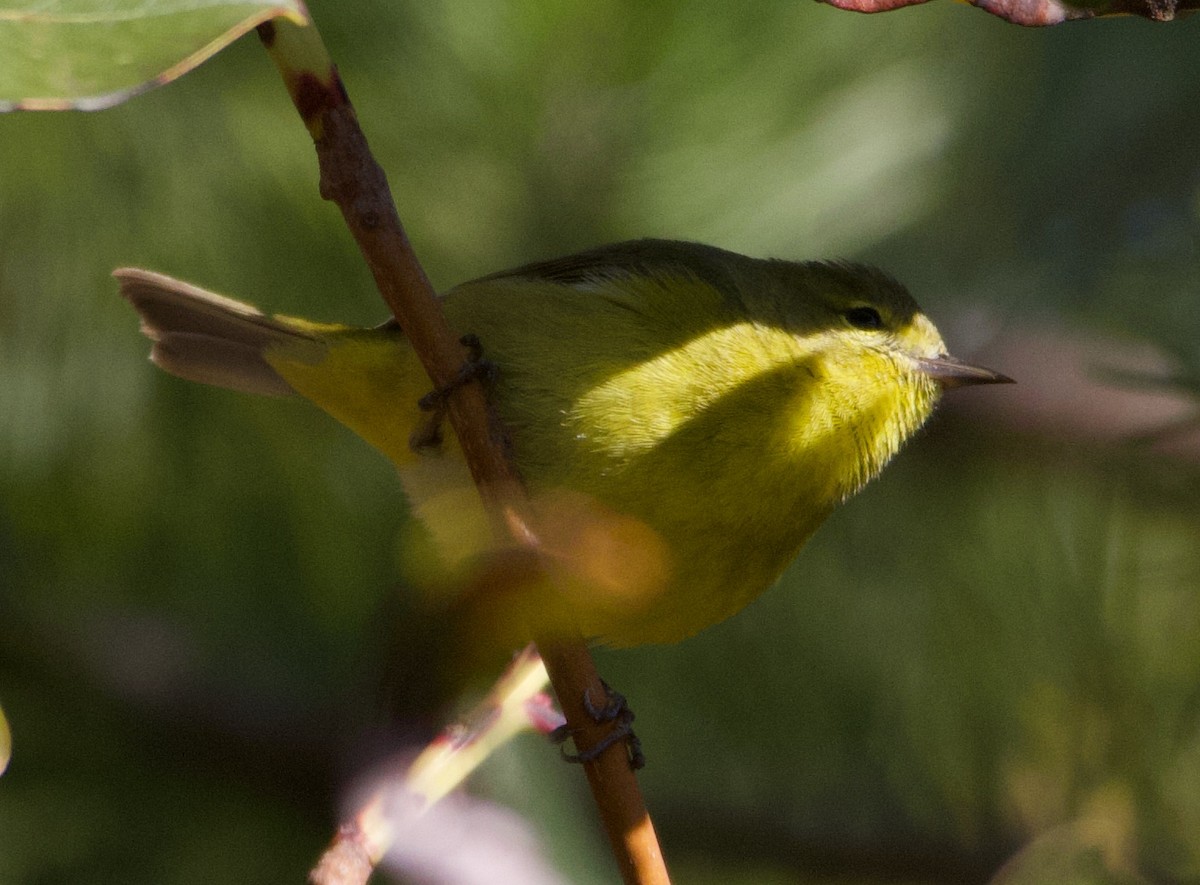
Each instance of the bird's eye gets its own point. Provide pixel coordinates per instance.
(864, 318)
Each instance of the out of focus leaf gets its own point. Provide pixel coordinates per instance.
(467, 840)
(1066, 857)
(92, 54)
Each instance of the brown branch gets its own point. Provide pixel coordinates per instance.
(1039, 13)
(614, 787)
(351, 178)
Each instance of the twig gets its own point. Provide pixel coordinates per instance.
(351, 178)
(515, 704)
(614, 787)
(1039, 13)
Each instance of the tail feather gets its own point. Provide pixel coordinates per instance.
(205, 337)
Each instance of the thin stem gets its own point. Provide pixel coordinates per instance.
(351, 178)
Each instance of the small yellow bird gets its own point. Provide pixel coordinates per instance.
(708, 409)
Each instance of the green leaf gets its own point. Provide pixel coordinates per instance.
(92, 54)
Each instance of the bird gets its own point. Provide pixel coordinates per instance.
(697, 411)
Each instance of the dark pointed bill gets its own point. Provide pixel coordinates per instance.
(955, 373)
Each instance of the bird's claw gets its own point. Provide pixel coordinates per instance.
(428, 434)
(615, 710)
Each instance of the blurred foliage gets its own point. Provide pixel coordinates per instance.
(993, 647)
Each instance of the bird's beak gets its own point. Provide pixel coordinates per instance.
(949, 372)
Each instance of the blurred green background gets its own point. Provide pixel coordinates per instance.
(994, 650)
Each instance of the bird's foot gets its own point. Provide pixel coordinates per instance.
(615, 709)
(429, 434)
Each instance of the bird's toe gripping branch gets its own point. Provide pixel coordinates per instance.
(615, 710)
(475, 368)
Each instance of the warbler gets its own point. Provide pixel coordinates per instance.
(690, 413)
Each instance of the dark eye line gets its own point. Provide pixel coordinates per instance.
(864, 318)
